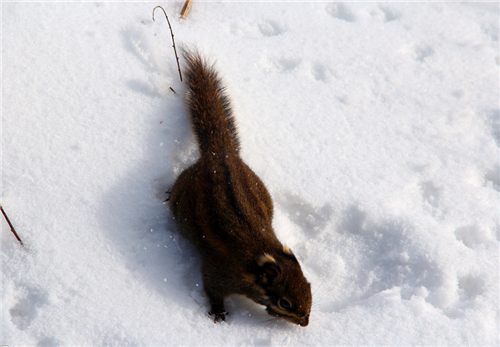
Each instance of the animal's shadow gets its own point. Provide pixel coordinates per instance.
(132, 214)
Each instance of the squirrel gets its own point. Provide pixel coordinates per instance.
(226, 212)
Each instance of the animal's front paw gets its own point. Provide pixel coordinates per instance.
(219, 316)
(169, 193)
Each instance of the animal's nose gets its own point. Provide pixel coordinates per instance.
(305, 322)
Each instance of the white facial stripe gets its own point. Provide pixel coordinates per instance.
(266, 258)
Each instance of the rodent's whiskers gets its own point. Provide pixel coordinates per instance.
(269, 321)
(316, 302)
(319, 297)
(314, 292)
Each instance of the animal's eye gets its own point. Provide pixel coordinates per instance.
(285, 304)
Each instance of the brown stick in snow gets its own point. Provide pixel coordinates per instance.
(186, 8)
(11, 226)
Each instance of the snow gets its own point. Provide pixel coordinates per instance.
(375, 126)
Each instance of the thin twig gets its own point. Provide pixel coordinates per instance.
(173, 41)
(11, 226)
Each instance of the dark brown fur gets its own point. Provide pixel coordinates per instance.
(225, 210)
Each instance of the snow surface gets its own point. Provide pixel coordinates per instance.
(375, 126)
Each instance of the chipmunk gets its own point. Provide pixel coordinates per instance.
(226, 212)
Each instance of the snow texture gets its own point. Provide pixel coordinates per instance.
(375, 126)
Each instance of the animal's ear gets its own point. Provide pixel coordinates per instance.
(272, 271)
(269, 270)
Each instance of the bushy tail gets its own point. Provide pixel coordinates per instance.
(209, 107)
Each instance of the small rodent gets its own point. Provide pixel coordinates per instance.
(226, 212)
